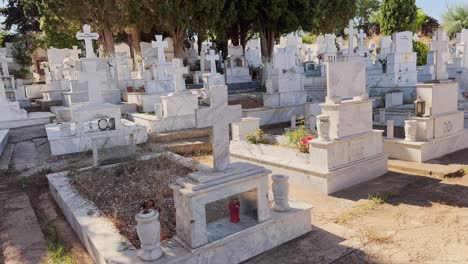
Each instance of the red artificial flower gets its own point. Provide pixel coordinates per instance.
(305, 141)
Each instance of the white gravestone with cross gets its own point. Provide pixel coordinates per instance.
(4, 60)
(440, 46)
(212, 57)
(179, 71)
(361, 40)
(219, 116)
(351, 32)
(160, 45)
(88, 38)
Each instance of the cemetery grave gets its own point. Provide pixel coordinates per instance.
(187, 141)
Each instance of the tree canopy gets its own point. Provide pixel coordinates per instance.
(455, 19)
(397, 16)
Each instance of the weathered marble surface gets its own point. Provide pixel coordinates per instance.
(157, 125)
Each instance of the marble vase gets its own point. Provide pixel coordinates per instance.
(323, 127)
(280, 187)
(148, 230)
(410, 130)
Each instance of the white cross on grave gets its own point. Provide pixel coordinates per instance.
(179, 71)
(88, 38)
(350, 31)
(361, 37)
(160, 45)
(212, 57)
(440, 46)
(219, 116)
(75, 53)
(4, 61)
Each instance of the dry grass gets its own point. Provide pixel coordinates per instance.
(373, 203)
(119, 191)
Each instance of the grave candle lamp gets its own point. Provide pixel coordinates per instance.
(420, 106)
(234, 206)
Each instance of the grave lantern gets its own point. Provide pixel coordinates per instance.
(420, 106)
(234, 206)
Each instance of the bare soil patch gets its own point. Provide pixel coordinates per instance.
(120, 190)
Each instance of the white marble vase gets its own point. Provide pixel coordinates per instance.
(410, 130)
(280, 187)
(148, 230)
(323, 127)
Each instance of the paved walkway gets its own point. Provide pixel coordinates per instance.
(21, 238)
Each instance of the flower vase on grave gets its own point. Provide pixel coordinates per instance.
(234, 206)
(148, 230)
(410, 130)
(280, 187)
(323, 126)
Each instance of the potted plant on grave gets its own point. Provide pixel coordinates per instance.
(299, 139)
(149, 231)
(384, 65)
(141, 89)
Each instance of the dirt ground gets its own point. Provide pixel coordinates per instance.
(396, 218)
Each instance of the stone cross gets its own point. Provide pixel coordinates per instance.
(219, 115)
(212, 57)
(179, 71)
(361, 37)
(75, 53)
(202, 60)
(4, 61)
(160, 45)
(350, 31)
(88, 38)
(440, 46)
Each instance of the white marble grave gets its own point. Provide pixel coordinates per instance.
(250, 182)
(347, 151)
(438, 132)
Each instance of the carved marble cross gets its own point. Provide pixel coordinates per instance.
(160, 45)
(4, 61)
(212, 57)
(179, 71)
(440, 46)
(88, 38)
(219, 116)
(350, 31)
(361, 37)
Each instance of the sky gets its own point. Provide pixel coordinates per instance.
(435, 8)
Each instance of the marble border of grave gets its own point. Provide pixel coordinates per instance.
(105, 245)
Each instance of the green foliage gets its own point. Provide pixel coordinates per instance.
(421, 49)
(309, 38)
(295, 138)
(455, 19)
(257, 137)
(56, 31)
(23, 47)
(364, 10)
(20, 15)
(425, 24)
(397, 16)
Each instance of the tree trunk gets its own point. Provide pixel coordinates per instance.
(108, 38)
(267, 43)
(178, 36)
(135, 35)
(243, 39)
(234, 35)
